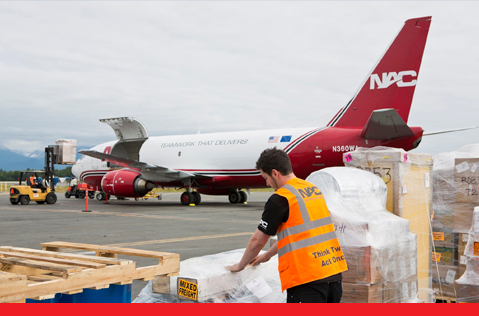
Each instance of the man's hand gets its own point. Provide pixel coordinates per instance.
(260, 259)
(255, 244)
(235, 268)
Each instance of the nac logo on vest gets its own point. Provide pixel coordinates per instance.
(388, 78)
(308, 192)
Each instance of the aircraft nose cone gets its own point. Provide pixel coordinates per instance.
(76, 171)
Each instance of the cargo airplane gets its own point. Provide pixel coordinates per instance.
(224, 163)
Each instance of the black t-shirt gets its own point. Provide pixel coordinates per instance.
(276, 211)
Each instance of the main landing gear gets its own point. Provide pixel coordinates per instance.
(237, 197)
(194, 198)
(188, 198)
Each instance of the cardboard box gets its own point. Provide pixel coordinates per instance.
(67, 151)
(466, 180)
(408, 180)
(443, 219)
(467, 286)
(444, 256)
(463, 217)
(467, 293)
(363, 266)
(462, 240)
(400, 292)
(443, 278)
(362, 293)
(443, 192)
(443, 237)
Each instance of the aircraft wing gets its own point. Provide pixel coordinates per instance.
(385, 124)
(151, 172)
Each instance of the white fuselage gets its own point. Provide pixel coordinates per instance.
(231, 151)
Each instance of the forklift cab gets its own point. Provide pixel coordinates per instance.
(33, 179)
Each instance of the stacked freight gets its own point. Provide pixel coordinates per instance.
(455, 194)
(407, 177)
(380, 250)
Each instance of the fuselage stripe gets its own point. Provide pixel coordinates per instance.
(300, 139)
(336, 119)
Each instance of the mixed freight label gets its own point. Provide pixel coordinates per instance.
(187, 289)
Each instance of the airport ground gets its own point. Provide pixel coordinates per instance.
(212, 227)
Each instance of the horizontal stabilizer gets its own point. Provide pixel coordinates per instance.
(450, 131)
(385, 124)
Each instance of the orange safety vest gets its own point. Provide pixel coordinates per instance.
(308, 248)
(32, 180)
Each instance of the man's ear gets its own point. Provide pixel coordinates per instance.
(274, 173)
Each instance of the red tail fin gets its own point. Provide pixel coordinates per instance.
(392, 82)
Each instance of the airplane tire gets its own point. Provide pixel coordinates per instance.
(100, 196)
(234, 197)
(243, 196)
(196, 198)
(91, 195)
(186, 198)
(24, 199)
(51, 198)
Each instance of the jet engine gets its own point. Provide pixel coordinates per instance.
(126, 183)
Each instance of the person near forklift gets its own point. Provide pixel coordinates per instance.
(31, 181)
(310, 259)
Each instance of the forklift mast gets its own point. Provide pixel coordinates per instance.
(51, 158)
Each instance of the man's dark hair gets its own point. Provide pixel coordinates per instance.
(273, 158)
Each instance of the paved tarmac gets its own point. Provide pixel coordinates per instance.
(213, 226)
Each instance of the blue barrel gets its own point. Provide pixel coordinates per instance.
(113, 294)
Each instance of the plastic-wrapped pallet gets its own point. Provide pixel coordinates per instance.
(379, 248)
(468, 284)
(455, 178)
(407, 177)
(206, 280)
(67, 149)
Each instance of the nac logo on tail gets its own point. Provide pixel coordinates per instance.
(388, 78)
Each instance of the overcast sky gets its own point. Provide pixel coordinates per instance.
(183, 67)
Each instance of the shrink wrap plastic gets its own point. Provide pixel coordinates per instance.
(67, 149)
(447, 189)
(380, 250)
(409, 193)
(255, 284)
(467, 285)
(455, 195)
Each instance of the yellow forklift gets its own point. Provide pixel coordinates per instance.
(32, 187)
(38, 186)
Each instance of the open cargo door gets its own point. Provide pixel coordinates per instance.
(131, 135)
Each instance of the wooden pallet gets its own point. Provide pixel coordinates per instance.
(445, 299)
(40, 274)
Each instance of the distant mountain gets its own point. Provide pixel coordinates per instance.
(17, 160)
(35, 154)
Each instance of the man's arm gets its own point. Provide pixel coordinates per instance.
(265, 256)
(256, 243)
